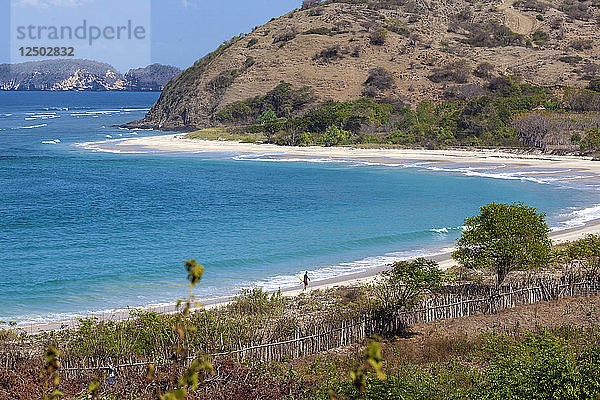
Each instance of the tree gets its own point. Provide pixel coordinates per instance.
(584, 254)
(380, 79)
(334, 136)
(266, 117)
(458, 71)
(407, 281)
(591, 141)
(504, 238)
(484, 70)
(378, 37)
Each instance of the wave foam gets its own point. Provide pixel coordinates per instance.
(94, 113)
(581, 217)
(488, 171)
(447, 230)
(34, 116)
(287, 281)
(31, 127)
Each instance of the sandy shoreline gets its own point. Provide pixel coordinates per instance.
(176, 143)
(359, 278)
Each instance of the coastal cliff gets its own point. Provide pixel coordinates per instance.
(402, 52)
(82, 75)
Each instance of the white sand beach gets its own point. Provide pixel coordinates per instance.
(177, 143)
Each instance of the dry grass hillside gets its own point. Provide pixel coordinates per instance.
(427, 46)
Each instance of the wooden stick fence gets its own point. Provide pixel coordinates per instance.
(325, 337)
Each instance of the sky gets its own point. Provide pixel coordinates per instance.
(175, 32)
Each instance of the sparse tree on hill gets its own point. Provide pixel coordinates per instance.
(504, 238)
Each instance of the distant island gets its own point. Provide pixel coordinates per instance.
(82, 75)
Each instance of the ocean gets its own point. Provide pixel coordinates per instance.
(85, 230)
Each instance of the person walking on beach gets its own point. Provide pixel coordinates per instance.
(306, 280)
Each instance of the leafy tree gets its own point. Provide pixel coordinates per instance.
(407, 281)
(504, 238)
(591, 141)
(266, 117)
(585, 253)
(334, 136)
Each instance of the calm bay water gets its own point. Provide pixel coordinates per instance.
(84, 230)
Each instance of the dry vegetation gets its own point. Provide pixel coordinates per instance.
(331, 46)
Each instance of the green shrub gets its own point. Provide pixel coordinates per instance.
(317, 31)
(330, 53)
(591, 140)
(532, 5)
(267, 117)
(397, 26)
(576, 9)
(594, 85)
(378, 37)
(222, 81)
(571, 60)
(334, 136)
(284, 36)
(492, 34)
(581, 100)
(539, 37)
(540, 367)
(309, 3)
(484, 70)
(582, 44)
(257, 302)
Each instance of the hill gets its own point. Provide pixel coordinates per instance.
(82, 75)
(152, 78)
(397, 51)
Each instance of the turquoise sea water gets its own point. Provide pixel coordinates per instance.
(85, 230)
